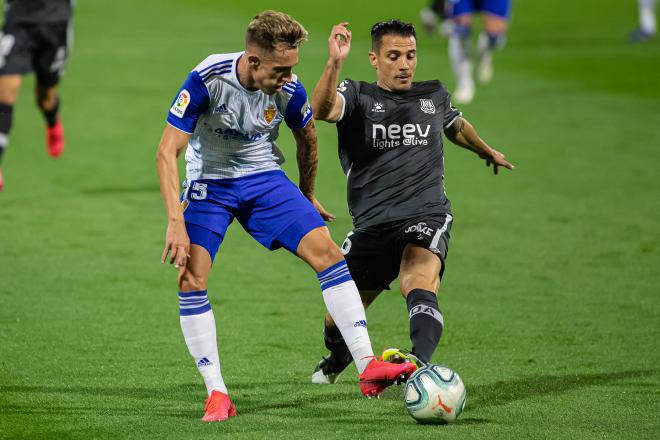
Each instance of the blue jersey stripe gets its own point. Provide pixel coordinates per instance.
(213, 73)
(221, 63)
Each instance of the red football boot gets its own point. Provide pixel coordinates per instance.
(55, 140)
(2, 181)
(218, 407)
(379, 375)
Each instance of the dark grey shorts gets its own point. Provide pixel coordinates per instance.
(42, 48)
(374, 253)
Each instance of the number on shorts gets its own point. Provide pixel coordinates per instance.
(198, 191)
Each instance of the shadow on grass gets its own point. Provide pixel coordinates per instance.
(270, 398)
(503, 392)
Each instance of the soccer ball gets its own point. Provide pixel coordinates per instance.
(435, 394)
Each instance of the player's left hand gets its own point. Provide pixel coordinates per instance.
(327, 216)
(497, 159)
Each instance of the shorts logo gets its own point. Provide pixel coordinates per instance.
(360, 323)
(181, 104)
(378, 107)
(426, 105)
(269, 114)
(419, 228)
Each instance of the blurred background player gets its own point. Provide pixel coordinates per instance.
(647, 22)
(391, 150)
(496, 15)
(36, 37)
(228, 114)
(435, 18)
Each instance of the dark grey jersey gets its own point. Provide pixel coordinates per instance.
(38, 11)
(390, 147)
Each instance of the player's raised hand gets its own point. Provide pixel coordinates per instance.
(339, 43)
(497, 159)
(327, 216)
(177, 244)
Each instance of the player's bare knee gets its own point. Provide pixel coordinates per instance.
(418, 279)
(188, 282)
(326, 256)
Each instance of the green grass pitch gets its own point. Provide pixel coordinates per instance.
(551, 294)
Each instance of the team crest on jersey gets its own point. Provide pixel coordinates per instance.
(378, 107)
(181, 104)
(269, 114)
(342, 86)
(426, 105)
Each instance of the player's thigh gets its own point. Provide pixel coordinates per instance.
(10, 85)
(423, 244)
(194, 276)
(496, 15)
(50, 52)
(372, 259)
(276, 214)
(318, 250)
(461, 11)
(208, 210)
(15, 43)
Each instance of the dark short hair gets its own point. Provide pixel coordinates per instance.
(389, 27)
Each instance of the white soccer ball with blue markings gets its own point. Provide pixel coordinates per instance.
(435, 394)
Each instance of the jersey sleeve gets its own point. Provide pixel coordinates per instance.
(191, 102)
(451, 112)
(298, 111)
(349, 91)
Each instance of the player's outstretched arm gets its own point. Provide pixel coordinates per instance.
(307, 149)
(325, 103)
(463, 134)
(177, 243)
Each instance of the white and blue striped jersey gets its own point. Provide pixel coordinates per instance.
(233, 130)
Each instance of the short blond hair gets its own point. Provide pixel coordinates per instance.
(271, 29)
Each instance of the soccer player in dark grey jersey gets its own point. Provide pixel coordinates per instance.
(390, 147)
(35, 37)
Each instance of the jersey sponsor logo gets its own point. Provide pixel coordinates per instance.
(395, 135)
(378, 107)
(230, 133)
(419, 228)
(269, 113)
(181, 104)
(427, 106)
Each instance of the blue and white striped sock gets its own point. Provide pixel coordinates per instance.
(198, 327)
(343, 301)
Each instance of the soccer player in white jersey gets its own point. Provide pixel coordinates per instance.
(647, 22)
(496, 15)
(228, 113)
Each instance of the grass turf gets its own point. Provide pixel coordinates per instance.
(550, 295)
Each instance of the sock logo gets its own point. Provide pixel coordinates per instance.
(204, 362)
(427, 310)
(360, 323)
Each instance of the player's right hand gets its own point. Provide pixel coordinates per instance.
(177, 244)
(339, 43)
